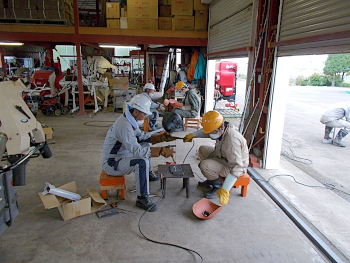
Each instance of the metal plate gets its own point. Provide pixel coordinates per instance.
(175, 171)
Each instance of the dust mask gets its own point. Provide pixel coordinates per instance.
(150, 95)
(214, 136)
(140, 122)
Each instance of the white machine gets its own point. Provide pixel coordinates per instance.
(21, 137)
(94, 83)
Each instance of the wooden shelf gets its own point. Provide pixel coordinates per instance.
(95, 35)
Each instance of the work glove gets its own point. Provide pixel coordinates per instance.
(224, 196)
(166, 152)
(224, 191)
(155, 151)
(188, 137)
(164, 137)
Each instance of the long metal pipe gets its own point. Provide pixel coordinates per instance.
(331, 256)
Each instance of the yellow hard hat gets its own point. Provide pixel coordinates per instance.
(211, 121)
(179, 85)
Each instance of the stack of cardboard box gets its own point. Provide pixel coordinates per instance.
(113, 14)
(164, 20)
(45, 10)
(142, 14)
(200, 16)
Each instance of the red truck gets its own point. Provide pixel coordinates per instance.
(225, 79)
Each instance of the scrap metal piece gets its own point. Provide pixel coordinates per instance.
(51, 189)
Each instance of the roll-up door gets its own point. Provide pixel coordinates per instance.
(323, 24)
(230, 25)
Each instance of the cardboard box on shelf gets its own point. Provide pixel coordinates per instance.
(197, 5)
(69, 209)
(124, 23)
(183, 23)
(201, 20)
(48, 132)
(142, 23)
(181, 7)
(119, 83)
(165, 10)
(164, 23)
(163, 2)
(113, 23)
(143, 12)
(112, 10)
(142, 3)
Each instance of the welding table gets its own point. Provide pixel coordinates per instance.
(183, 171)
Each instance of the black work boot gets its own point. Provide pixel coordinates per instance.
(216, 184)
(338, 141)
(145, 203)
(153, 176)
(205, 184)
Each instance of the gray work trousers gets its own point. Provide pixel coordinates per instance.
(211, 168)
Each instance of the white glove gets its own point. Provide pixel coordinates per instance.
(229, 182)
(161, 107)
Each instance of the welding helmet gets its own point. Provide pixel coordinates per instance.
(171, 121)
(149, 86)
(211, 121)
(141, 103)
(179, 85)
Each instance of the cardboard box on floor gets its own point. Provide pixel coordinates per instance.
(69, 209)
(48, 132)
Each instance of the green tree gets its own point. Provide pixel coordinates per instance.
(337, 65)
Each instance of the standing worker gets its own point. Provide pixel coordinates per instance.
(127, 149)
(229, 158)
(334, 118)
(148, 91)
(192, 102)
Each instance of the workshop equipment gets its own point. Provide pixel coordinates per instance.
(21, 136)
(225, 79)
(109, 182)
(205, 209)
(176, 171)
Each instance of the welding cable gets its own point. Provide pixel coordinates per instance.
(164, 243)
(326, 185)
(294, 157)
(188, 152)
(87, 124)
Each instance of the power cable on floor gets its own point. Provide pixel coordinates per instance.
(293, 156)
(164, 243)
(326, 185)
(87, 124)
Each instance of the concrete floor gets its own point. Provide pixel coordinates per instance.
(249, 229)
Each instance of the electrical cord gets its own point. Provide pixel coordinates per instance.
(86, 123)
(189, 151)
(294, 157)
(326, 185)
(164, 243)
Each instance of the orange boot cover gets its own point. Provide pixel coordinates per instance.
(205, 209)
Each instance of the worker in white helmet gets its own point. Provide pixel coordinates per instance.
(228, 159)
(127, 149)
(148, 91)
(337, 116)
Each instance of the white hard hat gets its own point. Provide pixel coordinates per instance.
(148, 86)
(141, 103)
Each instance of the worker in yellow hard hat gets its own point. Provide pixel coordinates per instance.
(191, 102)
(228, 159)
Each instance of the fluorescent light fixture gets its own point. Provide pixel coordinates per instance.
(114, 46)
(11, 44)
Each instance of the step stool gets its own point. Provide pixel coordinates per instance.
(192, 123)
(109, 182)
(243, 181)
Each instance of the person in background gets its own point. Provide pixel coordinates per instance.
(126, 149)
(191, 103)
(337, 116)
(148, 91)
(228, 159)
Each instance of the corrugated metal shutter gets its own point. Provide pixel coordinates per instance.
(230, 27)
(312, 18)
